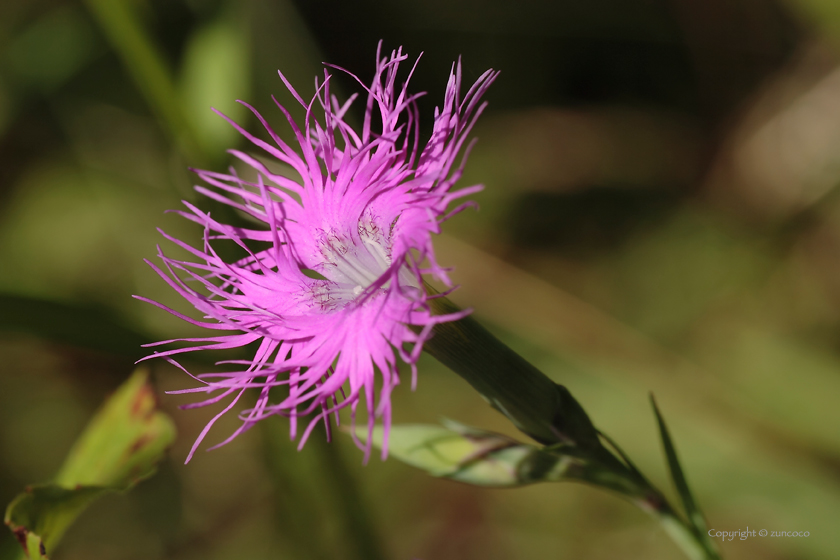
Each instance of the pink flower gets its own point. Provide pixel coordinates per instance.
(335, 292)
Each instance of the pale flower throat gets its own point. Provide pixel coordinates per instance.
(351, 265)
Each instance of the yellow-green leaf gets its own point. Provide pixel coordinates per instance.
(120, 446)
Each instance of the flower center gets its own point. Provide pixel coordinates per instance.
(351, 266)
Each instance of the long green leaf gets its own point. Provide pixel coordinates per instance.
(534, 403)
(120, 446)
(147, 66)
(695, 517)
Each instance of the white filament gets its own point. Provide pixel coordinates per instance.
(351, 266)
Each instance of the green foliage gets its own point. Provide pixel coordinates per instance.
(468, 455)
(317, 497)
(143, 59)
(120, 447)
(484, 458)
(823, 13)
(40, 516)
(542, 409)
(738, 316)
(696, 519)
(215, 74)
(547, 412)
(51, 49)
(83, 326)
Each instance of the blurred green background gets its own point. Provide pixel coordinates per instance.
(660, 214)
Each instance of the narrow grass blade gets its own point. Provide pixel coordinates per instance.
(696, 519)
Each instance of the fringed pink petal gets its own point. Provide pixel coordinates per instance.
(362, 215)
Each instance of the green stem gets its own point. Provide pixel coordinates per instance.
(549, 413)
(535, 404)
(314, 489)
(147, 68)
(298, 500)
(684, 536)
(681, 532)
(358, 528)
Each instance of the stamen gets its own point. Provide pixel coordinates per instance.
(377, 252)
(355, 266)
(355, 270)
